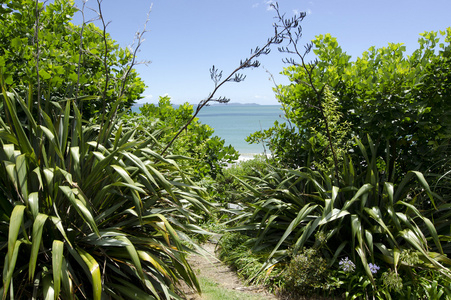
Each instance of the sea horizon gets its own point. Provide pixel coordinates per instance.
(234, 122)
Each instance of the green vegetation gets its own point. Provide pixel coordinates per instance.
(347, 200)
(98, 203)
(288, 212)
(212, 291)
(89, 218)
(73, 60)
(88, 208)
(396, 99)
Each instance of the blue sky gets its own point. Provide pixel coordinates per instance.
(186, 38)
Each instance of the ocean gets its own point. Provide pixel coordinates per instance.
(234, 123)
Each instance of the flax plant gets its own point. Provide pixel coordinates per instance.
(84, 223)
(87, 211)
(368, 220)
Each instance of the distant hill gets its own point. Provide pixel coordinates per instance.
(234, 104)
(135, 108)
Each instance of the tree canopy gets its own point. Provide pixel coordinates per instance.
(401, 101)
(72, 60)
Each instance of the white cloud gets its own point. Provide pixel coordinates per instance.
(146, 99)
(255, 5)
(268, 3)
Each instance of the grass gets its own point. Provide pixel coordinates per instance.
(213, 291)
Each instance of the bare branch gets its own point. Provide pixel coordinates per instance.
(36, 40)
(80, 53)
(293, 33)
(139, 40)
(234, 76)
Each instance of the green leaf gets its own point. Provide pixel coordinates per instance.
(363, 190)
(133, 255)
(334, 215)
(53, 141)
(8, 268)
(57, 262)
(14, 226)
(301, 216)
(376, 215)
(424, 183)
(157, 263)
(9, 80)
(65, 127)
(362, 256)
(33, 202)
(82, 210)
(59, 225)
(23, 142)
(356, 227)
(44, 74)
(429, 225)
(36, 238)
(94, 270)
(22, 173)
(66, 281)
(48, 288)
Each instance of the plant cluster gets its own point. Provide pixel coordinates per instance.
(306, 274)
(235, 249)
(366, 228)
(365, 206)
(97, 205)
(89, 219)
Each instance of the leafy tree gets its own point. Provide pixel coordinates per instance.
(71, 60)
(396, 99)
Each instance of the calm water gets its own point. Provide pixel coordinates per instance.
(234, 123)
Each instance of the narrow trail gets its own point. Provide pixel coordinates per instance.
(215, 271)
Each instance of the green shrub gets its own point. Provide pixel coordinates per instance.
(398, 99)
(306, 274)
(62, 46)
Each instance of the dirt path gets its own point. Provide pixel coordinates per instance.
(214, 270)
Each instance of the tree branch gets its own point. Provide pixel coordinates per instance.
(234, 76)
(293, 39)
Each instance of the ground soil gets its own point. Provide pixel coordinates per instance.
(214, 270)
